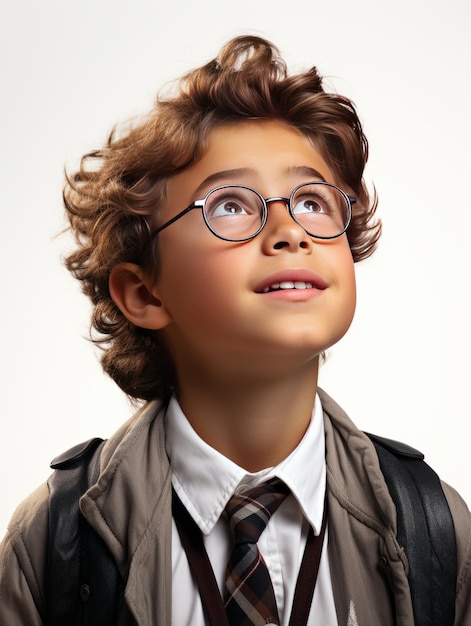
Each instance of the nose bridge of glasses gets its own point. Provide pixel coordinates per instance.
(285, 201)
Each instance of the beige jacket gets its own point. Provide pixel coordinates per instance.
(130, 507)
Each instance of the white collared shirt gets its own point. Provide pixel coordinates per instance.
(205, 480)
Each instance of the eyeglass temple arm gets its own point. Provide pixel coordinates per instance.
(195, 205)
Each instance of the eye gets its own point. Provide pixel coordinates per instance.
(309, 204)
(317, 199)
(232, 202)
(227, 207)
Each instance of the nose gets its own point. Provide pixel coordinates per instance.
(281, 231)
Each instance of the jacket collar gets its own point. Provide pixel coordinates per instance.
(354, 475)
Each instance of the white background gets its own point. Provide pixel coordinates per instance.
(69, 71)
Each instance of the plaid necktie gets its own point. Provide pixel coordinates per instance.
(249, 598)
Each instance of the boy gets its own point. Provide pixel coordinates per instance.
(217, 242)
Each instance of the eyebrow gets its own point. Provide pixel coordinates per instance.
(232, 175)
(304, 170)
(223, 176)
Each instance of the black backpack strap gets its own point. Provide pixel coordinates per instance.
(83, 586)
(425, 530)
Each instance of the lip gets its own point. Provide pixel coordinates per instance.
(294, 275)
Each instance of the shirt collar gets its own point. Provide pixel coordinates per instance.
(204, 479)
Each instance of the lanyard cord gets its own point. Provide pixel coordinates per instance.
(200, 566)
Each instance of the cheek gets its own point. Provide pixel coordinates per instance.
(345, 277)
(196, 282)
(350, 280)
(350, 292)
(351, 300)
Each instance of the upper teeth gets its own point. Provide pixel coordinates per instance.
(288, 284)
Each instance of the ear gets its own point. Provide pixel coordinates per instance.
(137, 298)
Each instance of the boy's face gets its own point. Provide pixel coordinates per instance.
(214, 290)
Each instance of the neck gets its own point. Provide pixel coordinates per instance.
(255, 423)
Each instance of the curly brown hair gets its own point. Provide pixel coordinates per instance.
(112, 201)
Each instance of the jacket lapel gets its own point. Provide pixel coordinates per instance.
(368, 567)
(130, 508)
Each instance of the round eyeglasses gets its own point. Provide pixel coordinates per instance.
(239, 213)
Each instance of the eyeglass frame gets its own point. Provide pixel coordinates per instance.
(200, 204)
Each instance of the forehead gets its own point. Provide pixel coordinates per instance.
(256, 152)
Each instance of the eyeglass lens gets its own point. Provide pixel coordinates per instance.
(237, 213)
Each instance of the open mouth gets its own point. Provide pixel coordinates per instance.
(287, 284)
